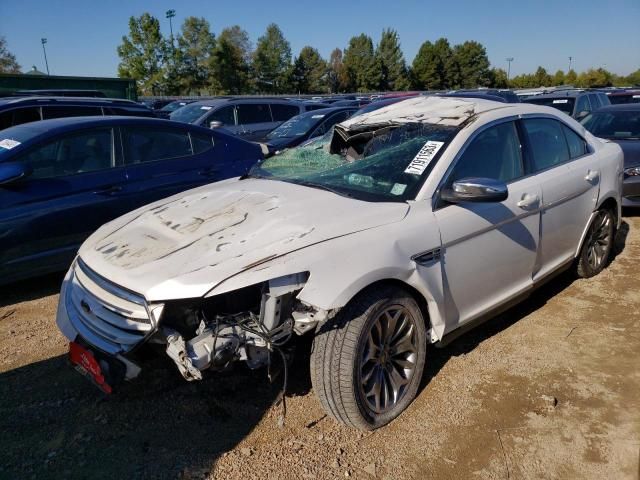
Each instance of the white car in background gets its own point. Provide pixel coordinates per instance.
(404, 227)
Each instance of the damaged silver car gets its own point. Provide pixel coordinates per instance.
(402, 228)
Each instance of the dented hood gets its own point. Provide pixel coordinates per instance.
(184, 246)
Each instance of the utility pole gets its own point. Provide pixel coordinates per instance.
(509, 60)
(170, 14)
(43, 41)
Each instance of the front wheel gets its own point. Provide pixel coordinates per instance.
(597, 246)
(367, 362)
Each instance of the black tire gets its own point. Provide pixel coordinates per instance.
(339, 368)
(597, 246)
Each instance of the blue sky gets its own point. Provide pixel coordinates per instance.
(83, 35)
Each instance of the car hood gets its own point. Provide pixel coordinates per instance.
(183, 246)
(631, 151)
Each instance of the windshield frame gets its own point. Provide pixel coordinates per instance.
(411, 193)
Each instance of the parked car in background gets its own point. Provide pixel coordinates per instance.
(402, 230)
(621, 124)
(303, 127)
(624, 96)
(61, 179)
(248, 118)
(19, 110)
(156, 104)
(576, 103)
(381, 102)
(171, 107)
(361, 102)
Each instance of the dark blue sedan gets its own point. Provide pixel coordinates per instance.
(61, 179)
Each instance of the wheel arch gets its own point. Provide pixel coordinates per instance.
(608, 202)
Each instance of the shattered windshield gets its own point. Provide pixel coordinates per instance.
(376, 163)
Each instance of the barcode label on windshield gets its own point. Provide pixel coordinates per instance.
(424, 156)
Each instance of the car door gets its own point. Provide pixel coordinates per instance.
(569, 188)
(489, 250)
(160, 161)
(254, 120)
(72, 191)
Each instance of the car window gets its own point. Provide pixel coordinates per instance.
(332, 120)
(582, 104)
(548, 145)
(494, 153)
(253, 113)
(604, 99)
(19, 116)
(595, 101)
(282, 112)
(129, 111)
(577, 145)
(147, 144)
(77, 153)
(62, 111)
(224, 115)
(201, 142)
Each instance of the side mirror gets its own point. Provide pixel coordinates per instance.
(475, 190)
(12, 171)
(215, 124)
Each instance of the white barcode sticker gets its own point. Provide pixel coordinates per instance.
(421, 161)
(204, 107)
(9, 144)
(561, 101)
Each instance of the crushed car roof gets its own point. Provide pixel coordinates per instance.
(436, 110)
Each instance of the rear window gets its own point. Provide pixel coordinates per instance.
(249, 113)
(563, 104)
(147, 144)
(283, 112)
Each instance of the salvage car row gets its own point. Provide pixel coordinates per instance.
(394, 228)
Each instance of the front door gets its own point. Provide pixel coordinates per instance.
(489, 249)
(72, 191)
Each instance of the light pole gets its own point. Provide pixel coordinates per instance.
(43, 41)
(509, 60)
(170, 14)
(570, 59)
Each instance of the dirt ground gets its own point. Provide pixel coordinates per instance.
(548, 390)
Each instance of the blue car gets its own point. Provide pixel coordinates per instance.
(61, 179)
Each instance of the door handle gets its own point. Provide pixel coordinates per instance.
(528, 201)
(109, 190)
(592, 176)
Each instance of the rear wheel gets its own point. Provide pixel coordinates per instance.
(367, 362)
(597, 246)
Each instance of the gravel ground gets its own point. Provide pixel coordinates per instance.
(550, 389)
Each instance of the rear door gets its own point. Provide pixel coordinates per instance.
(160, 161)
(254, 120)
(73, 190)
(569, 178)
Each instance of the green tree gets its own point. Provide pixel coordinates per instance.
(142, 54)
(362, 68)
(471, 66)
(558, 78)
(595, 78)
(272, 61)
(633, 78)
(336, 75)
(309, 72)
(393, 67)
(523, 81)
(8, 63)
(432, 66)
(542, 78)
(196, 47)
(230, 62)
(499, 78)
(571, 77)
